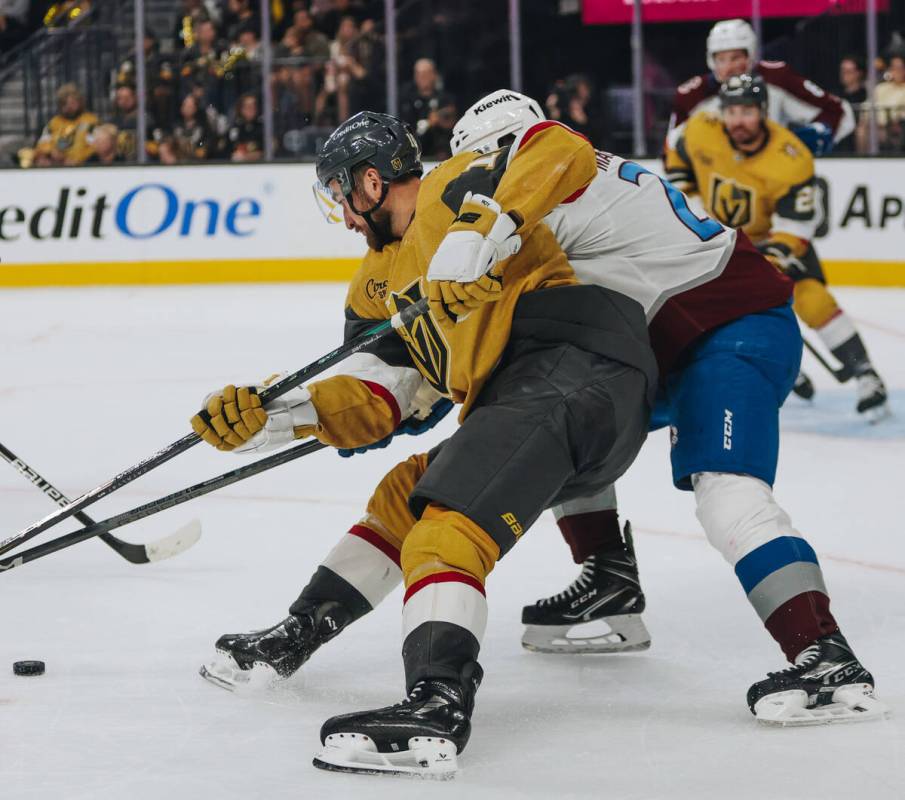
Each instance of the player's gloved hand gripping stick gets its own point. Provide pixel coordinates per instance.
(402, 319)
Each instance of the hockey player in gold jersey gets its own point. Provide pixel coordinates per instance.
(752, 173)
(555, 379)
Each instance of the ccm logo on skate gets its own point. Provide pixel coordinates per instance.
(727, 429)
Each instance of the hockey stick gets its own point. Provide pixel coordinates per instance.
(842, 374)
(359, 343)
(169, 546)
(164, 503)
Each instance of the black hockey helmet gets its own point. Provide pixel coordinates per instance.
(380, 140)
(744, 90)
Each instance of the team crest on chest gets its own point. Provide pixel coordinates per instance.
(424, 339)
(731, 203)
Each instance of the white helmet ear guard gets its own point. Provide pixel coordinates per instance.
(494, 117)
(327, 204)
(731, 34)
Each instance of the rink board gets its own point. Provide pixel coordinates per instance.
(259, 223)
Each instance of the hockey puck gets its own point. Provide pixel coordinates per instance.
(28, 668)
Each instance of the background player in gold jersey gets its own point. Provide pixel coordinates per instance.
(752, 173)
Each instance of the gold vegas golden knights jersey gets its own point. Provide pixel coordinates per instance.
(455, 359)
(770, 194)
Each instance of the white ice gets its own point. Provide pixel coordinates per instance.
(94, 380)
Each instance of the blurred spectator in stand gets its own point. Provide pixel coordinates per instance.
(13, 23)
(329, 14)
(429, 109)
(168, 151)
(104, 141)
(190, 14)
(125, 120)
(343, 76)
(191, 134)
(889, 102)
(65, 139)
(570, 103)
(853, 89)
(245, 138)
(315, 48)
(202, 64)
(240, 14)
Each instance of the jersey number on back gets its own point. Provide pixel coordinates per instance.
(705, 229)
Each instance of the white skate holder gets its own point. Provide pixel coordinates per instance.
(427, 757)
(223, 671)
(623, 633)
(852, 703)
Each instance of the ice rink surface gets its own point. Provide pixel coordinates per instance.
(96, 379)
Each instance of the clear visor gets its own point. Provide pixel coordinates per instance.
(329, 202)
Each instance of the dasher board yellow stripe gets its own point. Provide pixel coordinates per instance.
(274, 270)
(278, 270)
(864, 273)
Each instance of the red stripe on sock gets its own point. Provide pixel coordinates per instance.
(387, 396)
(444, 577)
(374, 538)
(800, 621)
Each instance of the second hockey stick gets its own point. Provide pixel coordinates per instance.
(842, 374)
(356, 345)
(164, 503)
(169, 546)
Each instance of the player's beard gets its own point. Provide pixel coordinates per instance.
(742, 136)
(379, 230)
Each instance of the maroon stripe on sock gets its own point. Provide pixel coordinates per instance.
(591, 533)
(444, 577)
(374, 538)
(800, 621)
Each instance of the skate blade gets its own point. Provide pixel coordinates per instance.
(427, 757)
(624, 633)
(853, 703)
(223, 671)
(877, 413)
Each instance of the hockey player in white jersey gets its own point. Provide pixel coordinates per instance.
(711, 295)
(720, 324)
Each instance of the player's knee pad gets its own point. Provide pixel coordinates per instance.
(738, 513)
(444, 540)
(813, 303)
(388, 510)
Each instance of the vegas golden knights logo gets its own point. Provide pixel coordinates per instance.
(424, 340)
(730, 203)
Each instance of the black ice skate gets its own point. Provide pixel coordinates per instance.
(600, 612)
(827, 684)
(419, 737)
(804, 387)
(872, 396)
(263, 657)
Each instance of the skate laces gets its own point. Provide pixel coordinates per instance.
(588, 568)
(803, 662)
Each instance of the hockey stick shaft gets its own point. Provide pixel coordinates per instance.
(164, 503)
(403, 318)
(133, 553)
(841, 375)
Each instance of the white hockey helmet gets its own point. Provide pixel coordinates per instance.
(492, 118)
(731, 34)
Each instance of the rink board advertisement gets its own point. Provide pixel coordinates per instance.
(260, 223)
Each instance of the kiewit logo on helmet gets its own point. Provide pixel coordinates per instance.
(506, 98)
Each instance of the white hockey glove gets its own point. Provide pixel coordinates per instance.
(465, 272)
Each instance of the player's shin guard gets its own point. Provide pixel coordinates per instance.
(444, 617)
(357, 574)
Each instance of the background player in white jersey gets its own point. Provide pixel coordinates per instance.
(817, 117)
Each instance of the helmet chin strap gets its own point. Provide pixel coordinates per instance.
(381, 236)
